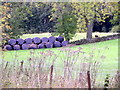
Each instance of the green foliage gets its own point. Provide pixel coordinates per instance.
(116, 28)
(115, 20)
(104, 29)
(40, 20)
(19, 18)
(84, 13)
(14, 15)
(88, 12)
(66, 26)
(115, 13)
(67, 22)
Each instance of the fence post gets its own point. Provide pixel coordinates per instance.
(51, 76)
(21, 67)
(89, 81)
(6, 65)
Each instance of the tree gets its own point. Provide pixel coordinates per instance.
(40, 20)
(89, 12)
(19, 18)
(116, 13)
(116, 17)
(66, 21)
(13, 15)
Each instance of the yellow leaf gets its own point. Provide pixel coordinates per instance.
(8, 27)
(11, 33)
(2, 19)
(6, 22)
(3, 34)
(9, 16)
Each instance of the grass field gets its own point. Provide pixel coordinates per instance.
(106, 53)
(109, 49)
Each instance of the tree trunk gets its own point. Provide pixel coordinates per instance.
(89, 30)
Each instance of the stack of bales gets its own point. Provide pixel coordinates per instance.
(35, 43)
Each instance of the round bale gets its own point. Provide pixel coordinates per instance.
(8, 47)
(12, 41)
(49, 45)
(44, 39)
(20, 41)
(25, 46)
(64, 43)
(57, 44)
(28, 41)
(52, 39)
(36, 40)
(41, 45)
(16, 47)
(60, 38)
(33, 46)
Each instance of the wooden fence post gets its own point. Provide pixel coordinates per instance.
(51, 76)
(21, 67)
(89, 81)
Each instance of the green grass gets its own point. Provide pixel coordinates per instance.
(109, 63)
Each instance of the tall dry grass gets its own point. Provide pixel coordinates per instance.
(41, 71)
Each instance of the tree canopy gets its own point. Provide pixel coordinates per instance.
(60, 18)
(66, 21)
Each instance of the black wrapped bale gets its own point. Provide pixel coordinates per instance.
(49, 45)
(25, 46)
(33, 46)
(41, 45)
(12, 41)
(36, 40)
(64, 43)
(20, 41)
(28, 41)
(60, 38)
(57, 44)
(16, 47)
(8, 47)
(44, 39)
(52, 39)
